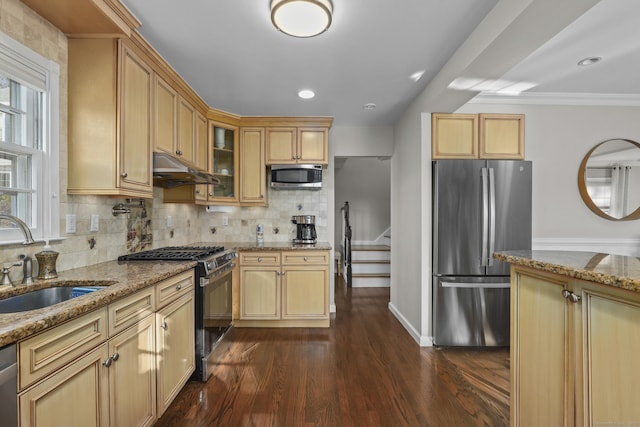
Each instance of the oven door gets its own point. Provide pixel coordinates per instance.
(213, 317)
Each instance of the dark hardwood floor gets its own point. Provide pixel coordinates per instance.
(365, 370)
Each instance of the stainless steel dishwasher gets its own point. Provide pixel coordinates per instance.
(9, 386)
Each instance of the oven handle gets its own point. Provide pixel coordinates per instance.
(204, 281)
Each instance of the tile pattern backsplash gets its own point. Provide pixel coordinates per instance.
(119, 235)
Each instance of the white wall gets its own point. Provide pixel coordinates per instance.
(364, 182)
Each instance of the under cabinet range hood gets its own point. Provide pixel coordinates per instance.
(170, 172)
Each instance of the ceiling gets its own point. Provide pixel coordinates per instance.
(231, 55)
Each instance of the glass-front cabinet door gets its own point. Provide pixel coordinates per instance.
(224, 149)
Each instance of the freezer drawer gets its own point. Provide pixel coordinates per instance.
(471, 311)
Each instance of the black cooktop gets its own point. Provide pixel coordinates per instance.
(174, 253)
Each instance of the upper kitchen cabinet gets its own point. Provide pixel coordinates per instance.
(110, 90)
(473, 136)
(223, 149)
(185, 149)
(297, 145)
(165, 116)
(253, 179)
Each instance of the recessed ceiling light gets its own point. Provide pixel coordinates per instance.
(417, 75)
(590, 61)
(369, 106)
(306, 94)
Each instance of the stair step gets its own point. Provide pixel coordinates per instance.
(382, 248)
(371, 280)
(370, 261)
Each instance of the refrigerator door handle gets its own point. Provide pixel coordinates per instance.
(492, 216)
(499, 285)
(485, 217)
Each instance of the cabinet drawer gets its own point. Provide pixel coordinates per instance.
(260, 258)
(130, 310)
(54, 348)
(170, 289)
(305, 257)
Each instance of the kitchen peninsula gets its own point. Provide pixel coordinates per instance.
(575, 337)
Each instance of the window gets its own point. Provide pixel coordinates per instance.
(28, 141)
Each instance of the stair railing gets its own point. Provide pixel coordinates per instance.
(347, 243)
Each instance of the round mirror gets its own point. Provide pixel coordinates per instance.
(609, 179)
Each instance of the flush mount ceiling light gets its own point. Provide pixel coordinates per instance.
(301, 18)
(590, 61)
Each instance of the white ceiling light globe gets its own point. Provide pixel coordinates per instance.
(301, 18)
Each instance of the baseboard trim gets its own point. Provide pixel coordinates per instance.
(630, 247)
(332, 308)
(423, 341)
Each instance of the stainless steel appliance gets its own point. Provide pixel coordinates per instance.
(479, 207)
(305, 229)
(9, 386)
(291, 177)
(213, 292)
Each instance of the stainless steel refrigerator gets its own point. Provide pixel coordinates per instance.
(479, 207)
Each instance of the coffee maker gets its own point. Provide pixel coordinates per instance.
(305, 229)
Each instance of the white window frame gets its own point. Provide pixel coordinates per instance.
(29, 68)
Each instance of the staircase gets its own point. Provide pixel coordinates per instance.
(371, 266)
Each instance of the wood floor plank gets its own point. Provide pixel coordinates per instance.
(365, 370)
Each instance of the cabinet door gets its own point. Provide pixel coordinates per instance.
(202, 154)
(165, 116)
(608, 385)
(253, 187)
(186, 131)
(135, 123)
(305, 292)
(313, 145)
(175, 345)
(541, 371)
(454, 136)
(501, 136)
(132, 376)
(77, 395)
(281, 145)
(260, 293)
(223, 147)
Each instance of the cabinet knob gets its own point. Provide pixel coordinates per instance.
(178, 287)
(571, 296)
(107, 362)
(211, 193)
(115, 357)
(197, 191)
(179, 152)
(259, 259)
(164, 325)
(305, 259)
(124, 174)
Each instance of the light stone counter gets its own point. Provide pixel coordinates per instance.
(122, 279)
(613, 270)
(278, 246)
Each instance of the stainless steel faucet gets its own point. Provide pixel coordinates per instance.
(27, 270)
(28, 238)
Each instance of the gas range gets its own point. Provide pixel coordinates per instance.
(211, 258)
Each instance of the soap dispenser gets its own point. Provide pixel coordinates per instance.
(47, 262)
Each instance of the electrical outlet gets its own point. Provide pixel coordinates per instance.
(95, 223)
(169, 221)
(225, 221)
(70, 223)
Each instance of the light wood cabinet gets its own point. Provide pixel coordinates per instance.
(473, 136)
(186, 131)
(287, 288)
(253, 180)
(223, 147)
(175, 344)
(110, 90)
(573, 353)
(165, 115)
(286, 145)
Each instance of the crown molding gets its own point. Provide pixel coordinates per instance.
(559, 98)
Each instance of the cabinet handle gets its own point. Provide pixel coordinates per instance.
(115, 356)
(571, 296)
(124, 174)
(259, 259)
(305, 259)
(179, 152)
(211, 193)
(107, 362)
(164, 325)
(178, 287)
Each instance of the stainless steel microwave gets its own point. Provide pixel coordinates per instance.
(290, 177)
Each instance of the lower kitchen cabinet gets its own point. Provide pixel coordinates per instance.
(574, 352)
(175, 348)
(283, 289)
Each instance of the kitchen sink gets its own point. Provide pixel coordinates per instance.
(40, 298)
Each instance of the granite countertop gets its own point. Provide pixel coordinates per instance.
(278, 246)
(121, 279)
(612, 270)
